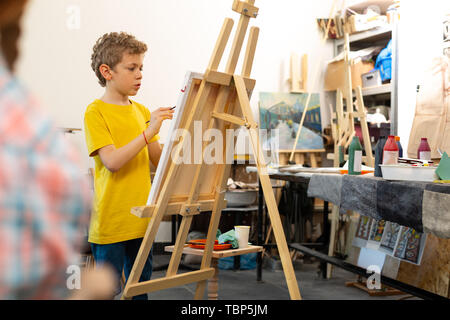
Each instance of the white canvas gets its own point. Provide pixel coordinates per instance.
(167, 149)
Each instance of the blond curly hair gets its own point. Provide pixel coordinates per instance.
(110, 48)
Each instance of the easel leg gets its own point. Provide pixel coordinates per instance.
(334, 222)
(179, 245)
(280, 238)
(212, 230)
(143, 252)
(213, 283)
(207, 256)
(364, 127)
(268, 192)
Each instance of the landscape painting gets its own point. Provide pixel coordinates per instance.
(283, 111)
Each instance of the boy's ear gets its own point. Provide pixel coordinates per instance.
(105, 70)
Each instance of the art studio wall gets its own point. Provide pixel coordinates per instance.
(58, 37)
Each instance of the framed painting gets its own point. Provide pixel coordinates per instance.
(280, 115)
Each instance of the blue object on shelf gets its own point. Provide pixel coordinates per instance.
(384, 62)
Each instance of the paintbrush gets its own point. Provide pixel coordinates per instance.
(170, 109)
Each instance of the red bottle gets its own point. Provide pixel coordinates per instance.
(424, 151)
(390, 151)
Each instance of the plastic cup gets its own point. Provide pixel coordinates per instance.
(242, 233)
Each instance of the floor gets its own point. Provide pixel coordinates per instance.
(242, 285)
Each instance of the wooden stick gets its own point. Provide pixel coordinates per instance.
(171, 209)
(304, 72)
(295, 74)
(300, 126)
(348, 91)
(250, 52)
(364, 126)
(179, 245)
(221, 44)
(213, 226)
(238, 41)
(165, 283)
(229, 118)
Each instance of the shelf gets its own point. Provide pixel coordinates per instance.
(383, 89)
(370, 35)
(378, 37)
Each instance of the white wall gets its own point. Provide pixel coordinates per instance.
(420, 40)
(55, 60)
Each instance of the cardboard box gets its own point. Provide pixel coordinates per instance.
(335, 74)
(360, 22)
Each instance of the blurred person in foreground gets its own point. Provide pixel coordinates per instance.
(44, 197)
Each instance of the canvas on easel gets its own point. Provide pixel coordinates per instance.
(188, 184)
(190, 86)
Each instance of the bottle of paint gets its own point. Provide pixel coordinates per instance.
(399, 145)
(390, 151)
(379, 155)
(354, 157)
(424, 151)
(341, 156)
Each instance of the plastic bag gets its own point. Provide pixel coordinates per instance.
(229, 236)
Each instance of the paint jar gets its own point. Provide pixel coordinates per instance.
(354, 157)
(379, 155)
(424, 151)
(341, 156)
(390, 151)
(399, 145)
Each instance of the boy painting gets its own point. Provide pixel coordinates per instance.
(122, 137)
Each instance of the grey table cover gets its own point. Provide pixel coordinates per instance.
(420, 205)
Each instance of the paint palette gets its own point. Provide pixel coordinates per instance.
(200, 244)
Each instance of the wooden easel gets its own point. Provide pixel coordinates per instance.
(216, 99)
(346, 119)
(343, 128)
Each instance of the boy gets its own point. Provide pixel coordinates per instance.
(122, 144)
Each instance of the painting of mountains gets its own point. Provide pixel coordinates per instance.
(283, 111)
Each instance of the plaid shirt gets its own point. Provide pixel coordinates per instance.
(44, 199)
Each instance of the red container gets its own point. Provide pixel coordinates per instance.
(424, 151)
(390, 151)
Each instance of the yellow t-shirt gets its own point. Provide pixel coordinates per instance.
(117, 192)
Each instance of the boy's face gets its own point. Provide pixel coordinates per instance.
(126, 76)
